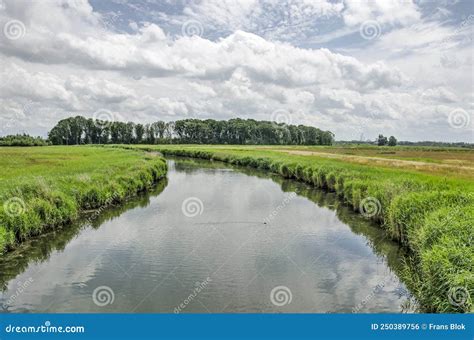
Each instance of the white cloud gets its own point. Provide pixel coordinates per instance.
(171, 107)
(74, 64)
(391, 12)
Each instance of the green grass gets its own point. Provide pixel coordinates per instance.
(428, 212)
(434, 160)
(42, 188)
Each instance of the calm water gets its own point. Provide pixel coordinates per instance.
(210, 239)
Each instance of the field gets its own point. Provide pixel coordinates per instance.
(425, 203)
(423, 197)
(451, 162)
(45, 187)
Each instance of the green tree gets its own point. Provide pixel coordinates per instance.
(392, 141)
(22, 140)
(139, 132)
(78, 130)
(382, 140)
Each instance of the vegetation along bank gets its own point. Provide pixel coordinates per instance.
(42, 188)
(430, 214)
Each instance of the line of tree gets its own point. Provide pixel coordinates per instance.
(382, 140)
(22, 140)
(80, 130)
(438, 144)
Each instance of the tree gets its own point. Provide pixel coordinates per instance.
(127, 135)
(381, 141)
(22, 140)
(70, 131)
(160, 129)
(392, 141)
(149, 134)
(139, 132)
(78, 130)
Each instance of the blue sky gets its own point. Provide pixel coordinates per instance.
(357, 68)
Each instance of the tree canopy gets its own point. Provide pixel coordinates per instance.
(22, 140)
(80, 130)
(392, 141)
(382, 140)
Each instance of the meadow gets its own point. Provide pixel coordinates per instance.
(423, 197)
(42, 188)
(427, 206)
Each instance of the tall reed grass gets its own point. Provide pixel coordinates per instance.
(432, 216)
(32, 205)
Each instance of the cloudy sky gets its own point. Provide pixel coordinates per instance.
(357, 68)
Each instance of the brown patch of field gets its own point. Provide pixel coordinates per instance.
(439, 168)
(153, 154)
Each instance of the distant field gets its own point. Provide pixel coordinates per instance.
(44, 187)
(443, 161)
(417, 196)
(443, 155)
(447, 161)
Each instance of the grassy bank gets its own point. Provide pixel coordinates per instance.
(430, 213)
(42, 188)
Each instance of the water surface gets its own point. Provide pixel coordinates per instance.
(211, 239)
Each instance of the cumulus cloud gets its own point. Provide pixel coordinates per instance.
(278, 20)
(393, 12)
(74, 63)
